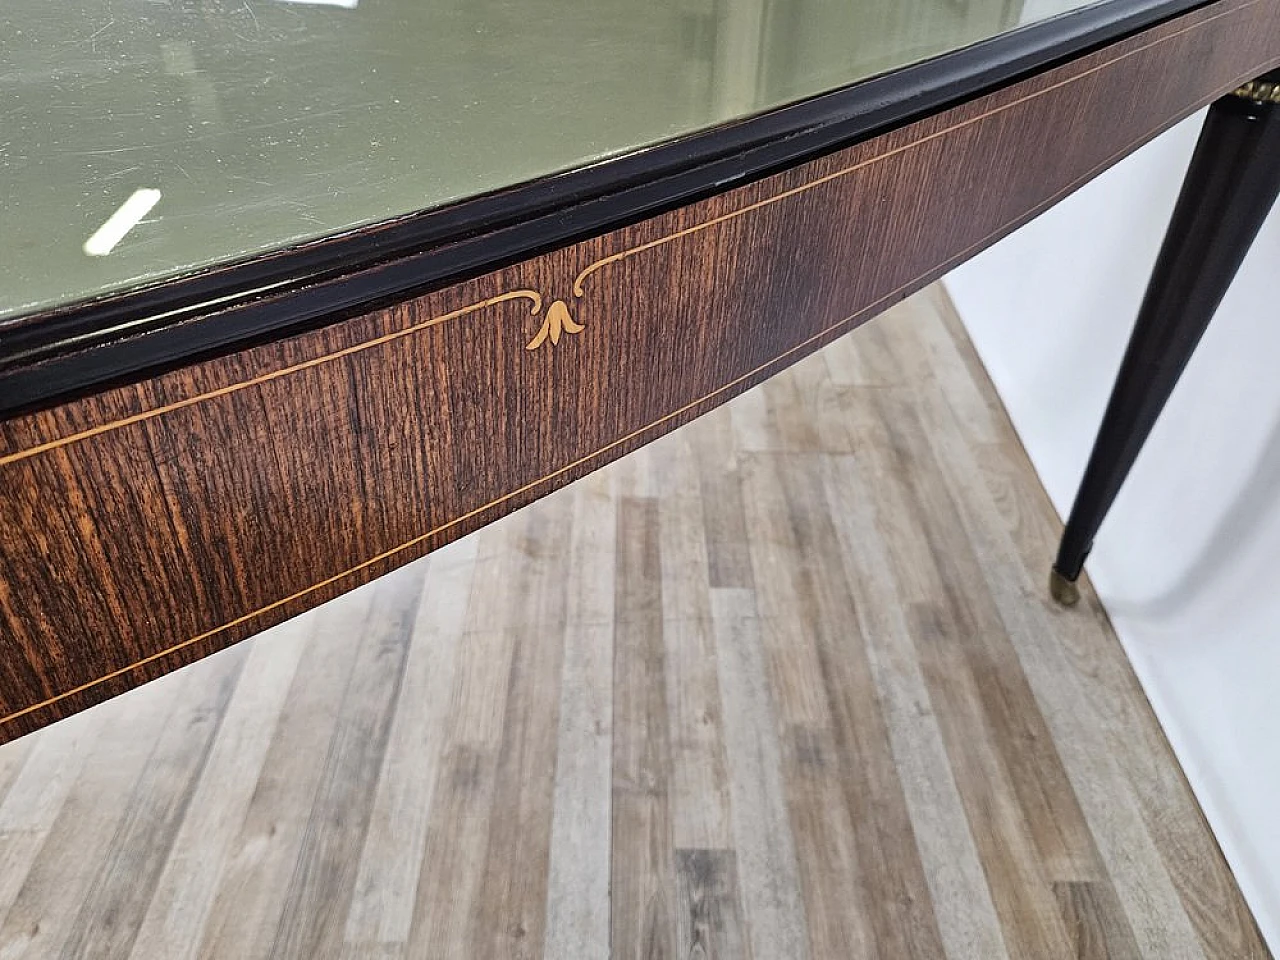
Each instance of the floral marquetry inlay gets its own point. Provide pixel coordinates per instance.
(557, 321)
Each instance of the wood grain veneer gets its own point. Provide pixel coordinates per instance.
(149, 525)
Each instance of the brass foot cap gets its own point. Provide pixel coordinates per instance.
(1063, 590)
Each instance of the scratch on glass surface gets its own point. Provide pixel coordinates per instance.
(93, 39)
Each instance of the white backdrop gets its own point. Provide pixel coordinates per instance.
(1188, 563)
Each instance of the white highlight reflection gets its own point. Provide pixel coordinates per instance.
(347, 4)
(121, 222)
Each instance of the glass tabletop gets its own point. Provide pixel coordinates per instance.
(144, 139)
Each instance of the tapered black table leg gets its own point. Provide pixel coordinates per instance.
(1230, 187)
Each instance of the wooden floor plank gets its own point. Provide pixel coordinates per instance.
(12, 763)
(457, 836)
(184, 893)
(769, 877)
(967, 919)
(509, 912)
(959, 670)
(819, 818)
(708, 917)
(512, 585)
(45, 772)
(1095, 921)
(720, 486)
(701, 817)
(391, 858)
(322, 886)
(122, 887)
(44, 915)
(1045, 794)
(577, 922)
(251, 894)
(895, 891)
(643, 923)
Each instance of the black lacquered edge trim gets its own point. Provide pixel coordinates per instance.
(75, 349)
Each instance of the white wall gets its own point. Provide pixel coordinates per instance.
(1188, 562)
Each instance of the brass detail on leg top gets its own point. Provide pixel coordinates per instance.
(1259, 91)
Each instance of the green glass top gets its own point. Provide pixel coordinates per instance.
(142, 139)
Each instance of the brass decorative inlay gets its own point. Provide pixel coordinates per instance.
(558, 320)
(1259, 91)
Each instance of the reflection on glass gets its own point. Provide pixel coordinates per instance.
(263, 123)
(128, 216)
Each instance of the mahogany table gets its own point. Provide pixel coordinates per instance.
(294, 293)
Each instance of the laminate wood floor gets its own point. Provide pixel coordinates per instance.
(784, 684)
